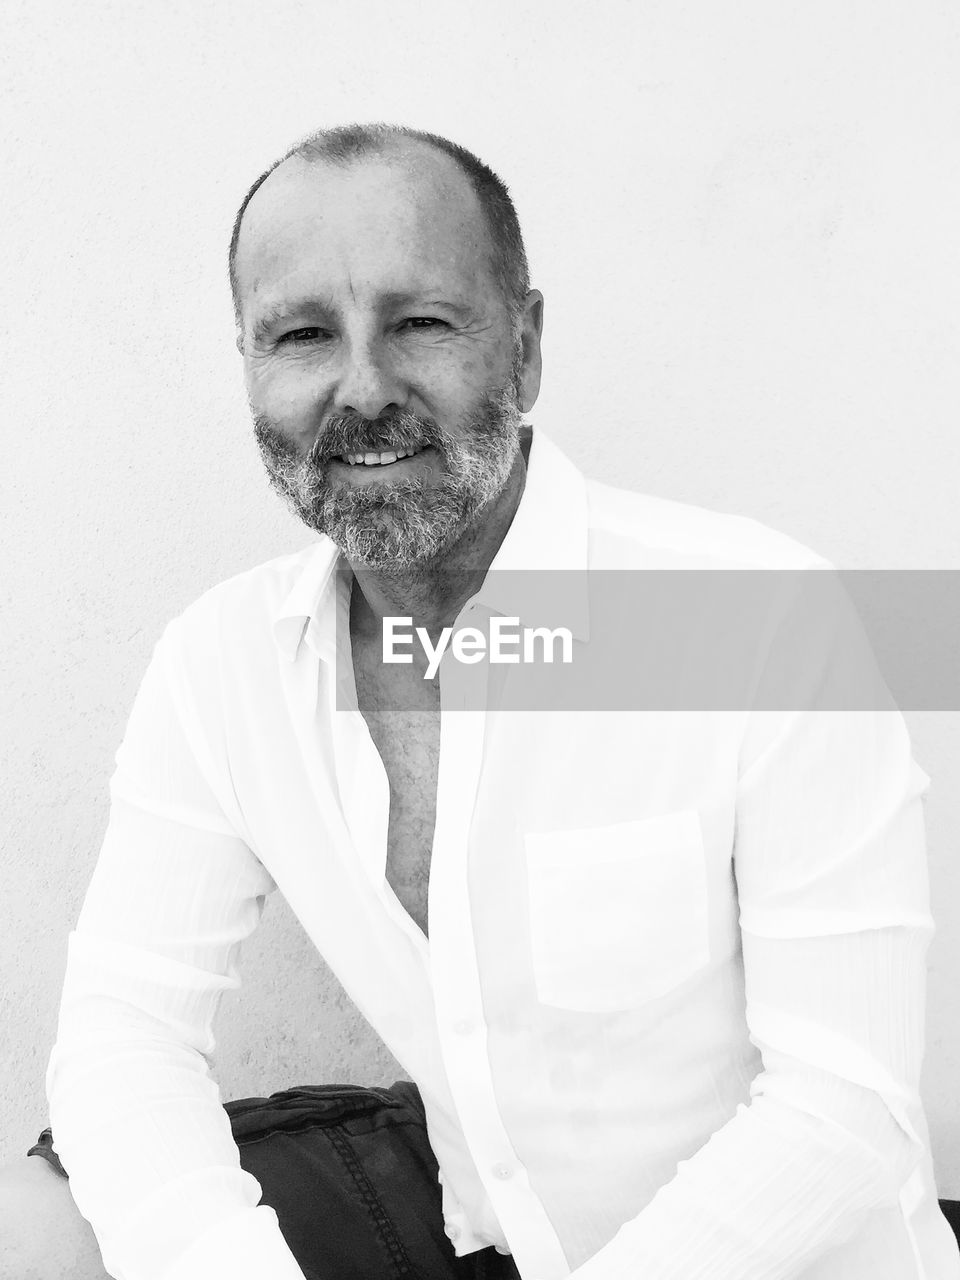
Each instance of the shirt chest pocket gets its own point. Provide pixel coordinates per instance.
(618, 914)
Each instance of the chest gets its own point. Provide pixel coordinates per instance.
(402, 714)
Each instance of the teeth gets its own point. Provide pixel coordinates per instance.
(377, 459)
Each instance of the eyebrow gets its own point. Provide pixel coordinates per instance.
(422, 299)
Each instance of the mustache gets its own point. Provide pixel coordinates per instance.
(353, 433)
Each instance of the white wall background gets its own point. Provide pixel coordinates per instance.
(744, 217)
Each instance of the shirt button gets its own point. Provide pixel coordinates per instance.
(504, 1253)
(503, 1171)
(463, 1027)
(452, 1231)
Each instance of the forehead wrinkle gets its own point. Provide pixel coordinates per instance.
(415, 281)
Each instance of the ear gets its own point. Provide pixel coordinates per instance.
(531, 329)
(239, 339)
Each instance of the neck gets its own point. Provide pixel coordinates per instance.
(433, 595)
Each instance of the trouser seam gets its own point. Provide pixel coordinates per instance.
(386, 1232)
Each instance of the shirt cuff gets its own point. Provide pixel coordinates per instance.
(247, 1245)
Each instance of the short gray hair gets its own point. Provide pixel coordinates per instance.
(350, 142)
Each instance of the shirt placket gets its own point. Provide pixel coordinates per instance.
(458, 997)
(361, 778)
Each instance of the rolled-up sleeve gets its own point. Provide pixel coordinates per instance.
(136, 1116)
(831, 875)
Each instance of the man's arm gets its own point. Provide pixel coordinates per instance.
(832, 884)
(136, 1117)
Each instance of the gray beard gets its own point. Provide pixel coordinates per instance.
(402, 523)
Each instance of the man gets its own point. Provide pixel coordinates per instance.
(657, 977)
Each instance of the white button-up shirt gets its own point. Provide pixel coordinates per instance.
(668, 1023)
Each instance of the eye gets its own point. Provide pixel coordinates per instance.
(300, 336)
(422, 323)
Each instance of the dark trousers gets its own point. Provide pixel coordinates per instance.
(353, 1180)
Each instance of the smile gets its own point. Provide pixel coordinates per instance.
(378, 459)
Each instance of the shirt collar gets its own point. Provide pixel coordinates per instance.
(310, 609)
(538, 573)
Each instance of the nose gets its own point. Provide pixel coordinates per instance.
(368, 383)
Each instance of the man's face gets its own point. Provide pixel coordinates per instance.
(372, 326)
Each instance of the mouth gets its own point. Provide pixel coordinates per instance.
(383, 458)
